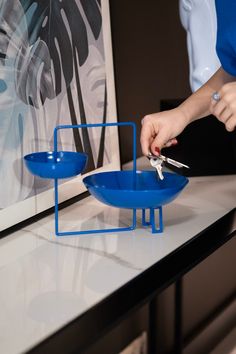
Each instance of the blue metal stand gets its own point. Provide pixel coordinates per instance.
(125, 189)
(79, 232)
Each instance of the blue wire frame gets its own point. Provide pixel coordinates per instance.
(151, 221)
(83, 232)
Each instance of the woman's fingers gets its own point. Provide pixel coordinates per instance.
(218, 108)
(160, 141)
(160, 130)
(231, 123)
(224, 107)
(171, 142)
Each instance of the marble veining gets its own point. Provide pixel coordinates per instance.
(101, 253)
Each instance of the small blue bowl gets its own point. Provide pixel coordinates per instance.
(60, 164)
(123, 189)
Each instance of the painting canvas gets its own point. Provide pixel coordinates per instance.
(55, 68)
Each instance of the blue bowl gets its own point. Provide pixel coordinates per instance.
(123, 189)
(60, 164)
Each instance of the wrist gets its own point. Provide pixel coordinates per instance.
(184, 114)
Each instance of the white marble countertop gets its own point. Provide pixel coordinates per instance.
(46, 281)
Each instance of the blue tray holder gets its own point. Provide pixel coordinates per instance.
(151, 222)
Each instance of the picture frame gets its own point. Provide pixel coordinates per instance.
(41, 196)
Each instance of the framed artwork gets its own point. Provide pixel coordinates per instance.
(56, 68)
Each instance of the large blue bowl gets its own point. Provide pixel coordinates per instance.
(120, 188)
(60, 164)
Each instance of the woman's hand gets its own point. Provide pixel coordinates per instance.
(161, 129)
(225, 109)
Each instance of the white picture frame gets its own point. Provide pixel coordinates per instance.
(35, 204)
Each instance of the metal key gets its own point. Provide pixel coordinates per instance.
(157, 163)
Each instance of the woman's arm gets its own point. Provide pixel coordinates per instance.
(198, 105)
(160, 128)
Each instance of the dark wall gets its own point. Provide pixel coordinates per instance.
(150, 60)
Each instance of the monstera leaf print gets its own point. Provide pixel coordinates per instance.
(49, 41)
(60, 25)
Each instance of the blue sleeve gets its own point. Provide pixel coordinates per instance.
(226, 34)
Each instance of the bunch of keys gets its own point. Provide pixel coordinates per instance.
(157, 162)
